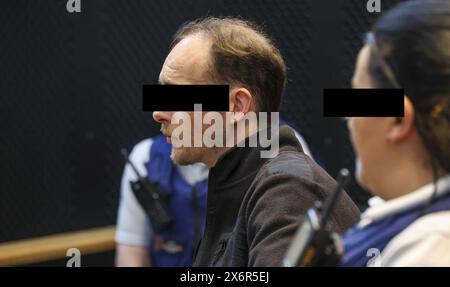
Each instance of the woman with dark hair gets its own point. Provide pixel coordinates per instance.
(405, 161)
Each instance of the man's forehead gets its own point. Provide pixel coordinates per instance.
(188, 58)
(361, 75)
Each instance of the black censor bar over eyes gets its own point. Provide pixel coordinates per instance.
(363, 103)
(184, 97)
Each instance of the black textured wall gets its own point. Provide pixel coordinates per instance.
(70, 94)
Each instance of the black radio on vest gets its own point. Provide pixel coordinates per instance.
(150, 198)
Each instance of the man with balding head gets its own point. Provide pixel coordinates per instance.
(255, 203)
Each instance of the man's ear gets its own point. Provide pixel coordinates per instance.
(401, 128)
(241, 102)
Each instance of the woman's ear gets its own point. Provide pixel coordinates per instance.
(241, 102)
(402, 127)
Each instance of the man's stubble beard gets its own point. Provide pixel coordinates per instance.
(188, 155)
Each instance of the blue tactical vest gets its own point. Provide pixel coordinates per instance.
(357, 241)
(187, 205)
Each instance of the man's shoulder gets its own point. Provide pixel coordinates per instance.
(295, 174)
(294, 164)
(293, 181)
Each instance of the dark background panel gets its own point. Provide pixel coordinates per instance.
(71, 94)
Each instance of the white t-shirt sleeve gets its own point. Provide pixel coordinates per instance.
(424, 243)
(133, 225)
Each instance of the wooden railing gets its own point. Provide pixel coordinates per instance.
(41, 249)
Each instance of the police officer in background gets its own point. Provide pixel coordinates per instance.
(138, 243)
(405, 161)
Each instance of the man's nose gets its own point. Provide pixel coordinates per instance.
(162, 117)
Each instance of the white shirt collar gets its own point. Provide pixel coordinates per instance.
(391, 207)
(193, 173)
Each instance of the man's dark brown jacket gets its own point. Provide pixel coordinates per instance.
(256, 204)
